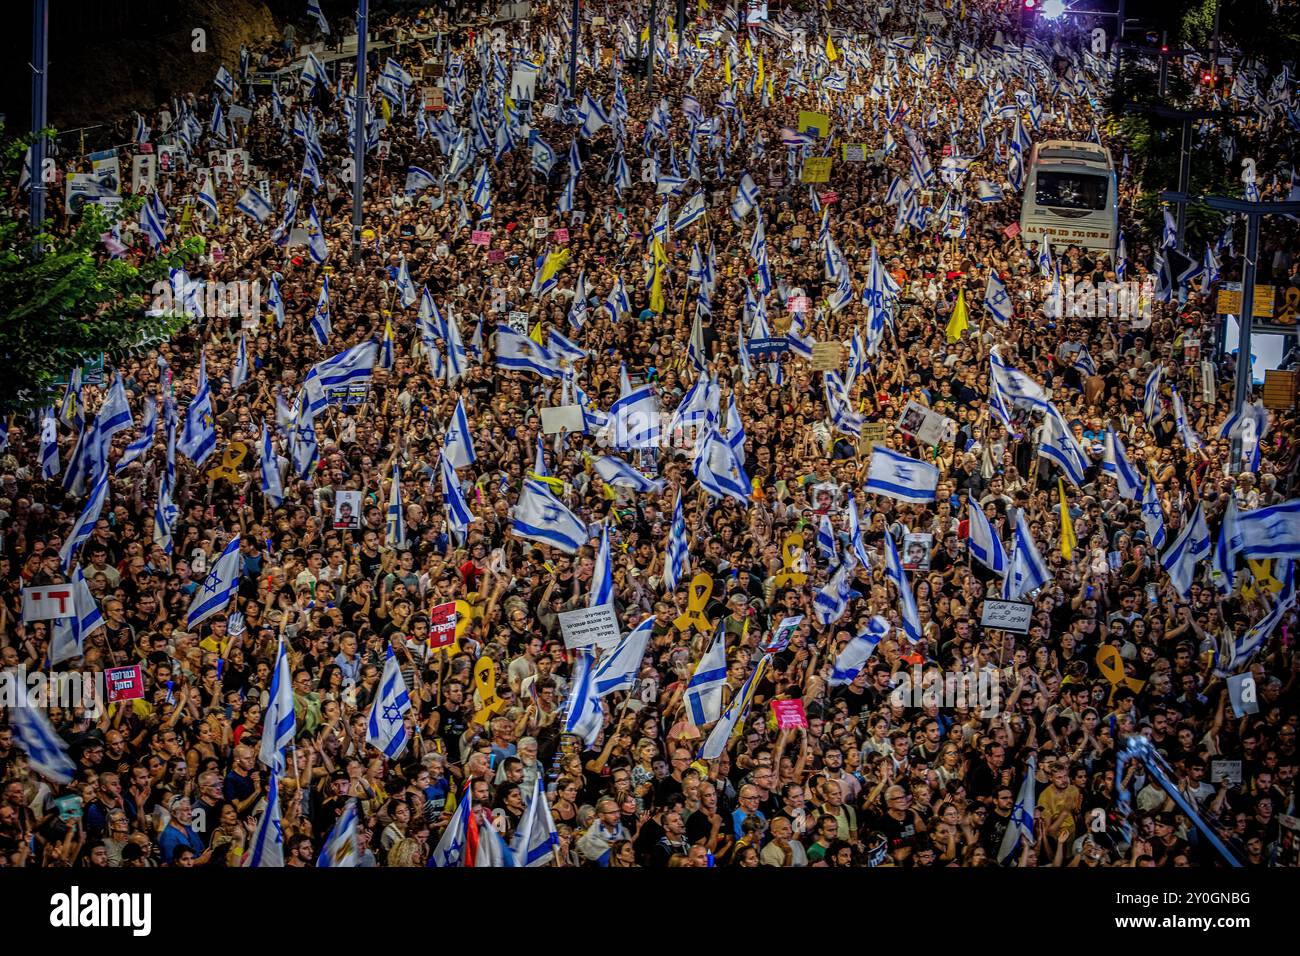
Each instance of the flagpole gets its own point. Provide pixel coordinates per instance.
(358, 130)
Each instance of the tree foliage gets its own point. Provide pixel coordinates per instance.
(72, 302)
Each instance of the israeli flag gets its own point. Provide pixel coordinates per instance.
(1226, 546)
(239, 371)
(1170, 236)
(1027, 570)
(406, 294)
(164, 513)
(615, 471)
(1115, 462)
(340, 849)
(1191, 440)
(50, 445)
(896, 476)
(619, 667)
(1242, 649)
(826, 541)
(594, 117)
(458, 445)
(221, 584)
(906, 599)
(208, 197)
(395, 519)
(634, 420)
(987, 192)
(386, 726)
(677, 562)
(602, 574)
(561, 347)
(692, 211)
(539, 516)
(85, 523)
(272, 486)
(68, 635)
(418, 179)
(153, 220)
(46, 751)
(584, 717)
(314, 10)
(830, 603)
(450, 850)
(1013, 387)
(253, 203)
(268, 841)
(983, 542)
(536, 839)
(519, 353)
(734, 713)
(1059, 445)
(459, 517)
(276, 302)
(719, 471)
(1021, 826)
(1153, 517)
(745, 200)
(481, 194)
(1271, 532)
(320, 317)
(617, 304)
(278, 723)
(997, 302)
(704, 689)
(137, 448)
(316, 244)
(224, 82)
(857, 652)
(1151, 395)
(1188, 549)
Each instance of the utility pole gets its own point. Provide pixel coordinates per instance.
(359, 131)
(650, 56)
(40, 68)
(681, 19)
(1254, 212)
(573, 53)
(1187, 118)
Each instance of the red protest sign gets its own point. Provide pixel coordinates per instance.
(481, 237)
(496, 255)
(789, 713)
(829, 196)
(1012, 230)
(561, 235)
(124, 683)
(442, 625)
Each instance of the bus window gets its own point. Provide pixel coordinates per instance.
(1071, 191)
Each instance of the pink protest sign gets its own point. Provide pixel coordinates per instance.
(481, 237)
(789, 713)
(561, 235)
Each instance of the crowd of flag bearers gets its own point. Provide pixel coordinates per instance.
(732, 344)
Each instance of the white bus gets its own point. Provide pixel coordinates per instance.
(1071, 196)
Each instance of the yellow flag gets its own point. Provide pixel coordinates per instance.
(760, 71)
(555, 261)
(657, 284)
(959, 321)
(749, 50)
(702, 8)
(1069, 541)
(830, 51)
(536, 333)
(726, 67)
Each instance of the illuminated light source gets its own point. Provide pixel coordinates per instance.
(1053, 9)
(1030, 4)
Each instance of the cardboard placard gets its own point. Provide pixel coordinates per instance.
(1228, 301)
(760, 346)
(816, 169)
(1007, 616)
(590, 627)
(800, 304)
(826, 356)
(789, 713)
(480, 237)
(558, 418)
(1012, 230)
(442, 625)
(519, 322)
(47, 602)
(561, 235)
(927, 427)
(496, 255)
(829, 196)
(124, 683)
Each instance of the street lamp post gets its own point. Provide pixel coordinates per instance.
(40, 66)
(359, 130)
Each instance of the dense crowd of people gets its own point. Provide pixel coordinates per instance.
(334, 593)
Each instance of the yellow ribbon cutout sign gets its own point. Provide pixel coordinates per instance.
(697, 597)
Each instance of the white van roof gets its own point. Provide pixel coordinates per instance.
(1070, 151)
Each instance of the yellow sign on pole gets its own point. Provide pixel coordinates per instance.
(816, 169)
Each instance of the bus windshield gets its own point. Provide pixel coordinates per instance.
(1081, 191)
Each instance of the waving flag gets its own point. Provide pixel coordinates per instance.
(268, 840)
(68, 635)
(897, 476)
(137, 448)
(519, 353)
(459, 443)
(536, 839)
(1115, 462)
(1189, 548)
(1027, 571)
(395, 523)
(615, 471)
(618, 668)
(853, 658)
(340, 849)
(270, 470)
(1021, 826)
(1272, 532)
(85, 523)
(278, 723)
(907, 600)
(983, 542)
(1061, 447)
(320, 317)
(539, 516)
(734, 712)
(386, 726)
(46, 751)
(745, 200)
(997, 302)
(584, 717)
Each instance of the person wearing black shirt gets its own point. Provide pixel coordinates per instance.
(452, 722)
